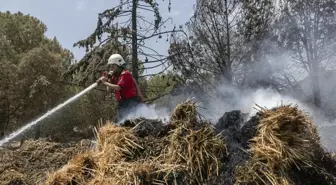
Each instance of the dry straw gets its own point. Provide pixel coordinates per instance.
(12, 176)
(116, 144)
(78, 171)
(189, 154)
(285, 137)
(194, 145)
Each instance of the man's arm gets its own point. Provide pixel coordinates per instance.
(110, 87)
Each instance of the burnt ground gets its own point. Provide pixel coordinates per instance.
(34, 159)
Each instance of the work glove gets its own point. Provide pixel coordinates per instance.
(110, 74)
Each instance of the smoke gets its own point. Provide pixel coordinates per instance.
(233, 98)
(148, 111)
(246, 101)
(228, 98)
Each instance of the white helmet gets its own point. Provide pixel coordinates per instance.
(116, 59)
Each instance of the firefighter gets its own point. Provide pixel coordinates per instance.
(121, 82)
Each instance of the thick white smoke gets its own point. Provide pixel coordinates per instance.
(246, 101)
(149, 112)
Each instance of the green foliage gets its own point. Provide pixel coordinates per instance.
(160, 85)
(30, 81)
(23, 31)
(31, 63)
(83, 114)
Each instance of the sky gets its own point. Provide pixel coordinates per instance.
(73, 20)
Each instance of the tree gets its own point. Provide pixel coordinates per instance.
(255, 28)
(30, 63)
(159, 86)
(221, 36)
(132, 32)
(306, 29)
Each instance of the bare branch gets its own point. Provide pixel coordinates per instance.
(144, 8)
(156, 98)
(164, 70)
(154, 35)
(152, 67)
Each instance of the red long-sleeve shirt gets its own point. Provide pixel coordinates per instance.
(126, 82)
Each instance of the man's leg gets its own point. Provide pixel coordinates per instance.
(122, 110)
(126, 107)
(120, 114)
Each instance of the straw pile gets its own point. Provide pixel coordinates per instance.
(286, 144)
(277, 146)
(189, 153)
(194, 145)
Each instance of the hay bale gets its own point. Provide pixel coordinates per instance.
(198, 151)
(115, 143)
(194, 145)
(185, 113)
(285, 136)
(286, 139)
(189, 152)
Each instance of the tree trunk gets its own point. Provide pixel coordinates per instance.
(315, 80)
(315, 64)
(4, 116)
(37, 131)
(38, 126)
(228, 48)
(134, 42)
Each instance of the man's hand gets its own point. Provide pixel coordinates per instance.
(101, 80)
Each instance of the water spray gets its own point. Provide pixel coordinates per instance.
(16, 133)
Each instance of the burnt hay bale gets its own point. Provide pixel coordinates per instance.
(143, 127)
(236, 133)
(16, 181)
